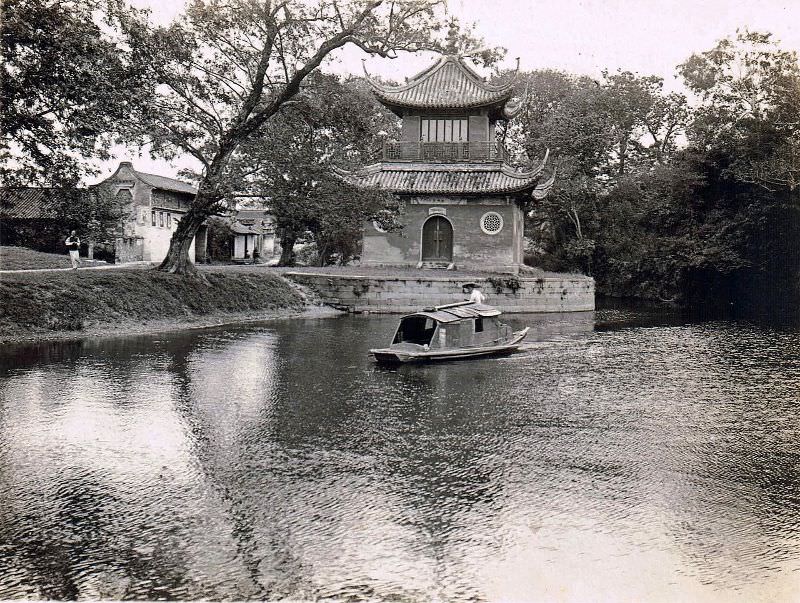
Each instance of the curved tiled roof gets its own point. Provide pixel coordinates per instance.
(444, 178)
(154, 180)
(449, 83)
(166, 184)
(238, 228)
(29, 203)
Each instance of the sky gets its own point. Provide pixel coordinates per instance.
(650, 37)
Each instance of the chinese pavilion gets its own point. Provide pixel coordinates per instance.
(462, 203)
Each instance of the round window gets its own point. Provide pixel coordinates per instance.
(491, 223)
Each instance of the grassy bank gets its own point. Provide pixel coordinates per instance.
(39, 305)
(22, 258)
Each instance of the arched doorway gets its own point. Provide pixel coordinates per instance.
(437, 240)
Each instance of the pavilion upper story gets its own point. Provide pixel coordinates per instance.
(448, 114)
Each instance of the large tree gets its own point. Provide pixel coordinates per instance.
(599, 133)
(746, 141)
(718, 221)
(643, 121)
(561, 113)
(67, 86)
(609, 127)
(226, 68)
(750, 92)
(292, 161)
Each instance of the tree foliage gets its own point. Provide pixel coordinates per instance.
(93, 212)
(67, 86)
(750, 89)
(601, 133)
(643, 122)
(716, 217)
(463, 41)
(292, 161)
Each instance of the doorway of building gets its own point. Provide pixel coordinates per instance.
(437, 240)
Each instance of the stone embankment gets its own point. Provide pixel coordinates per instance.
(408, 293)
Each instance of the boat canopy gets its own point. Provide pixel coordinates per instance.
(456, 312)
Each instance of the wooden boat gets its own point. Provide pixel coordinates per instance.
(450, 332)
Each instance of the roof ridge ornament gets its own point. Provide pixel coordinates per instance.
(514, 77)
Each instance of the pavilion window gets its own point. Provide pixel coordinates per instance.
(161, 218)
(153, 217)
(444, 130)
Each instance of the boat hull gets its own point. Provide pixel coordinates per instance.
(399, 356)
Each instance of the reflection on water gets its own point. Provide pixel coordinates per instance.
(620, 456)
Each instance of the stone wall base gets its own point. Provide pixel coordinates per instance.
(400, 294)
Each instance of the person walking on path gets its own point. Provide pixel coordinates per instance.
(73, 243)
(477, 296)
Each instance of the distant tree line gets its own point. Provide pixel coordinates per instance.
(662, 198)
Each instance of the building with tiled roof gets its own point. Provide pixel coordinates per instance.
(152, 206)
(253, 234)
(462, 203)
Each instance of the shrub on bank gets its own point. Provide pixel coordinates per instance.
(73, 300)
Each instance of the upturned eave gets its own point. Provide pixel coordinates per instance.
(447, 84)
(445, 178)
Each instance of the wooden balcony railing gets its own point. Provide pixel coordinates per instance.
(435, 152)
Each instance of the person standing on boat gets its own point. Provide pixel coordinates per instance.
(477, 296)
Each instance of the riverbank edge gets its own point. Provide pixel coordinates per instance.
(70, 305)
(172, 325)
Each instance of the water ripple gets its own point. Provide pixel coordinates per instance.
(641, 459)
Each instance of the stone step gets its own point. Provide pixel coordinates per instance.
(434, 265)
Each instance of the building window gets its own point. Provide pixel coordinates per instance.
(479, 325)
(161, 218)
(444, 130)
(491, 223)
(169, 220)
(153, 217)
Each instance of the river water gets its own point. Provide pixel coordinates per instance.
(621, 456)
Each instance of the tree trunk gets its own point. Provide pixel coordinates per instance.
(287, 250)
(623, 152)
(208, 197)
(177, 260)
